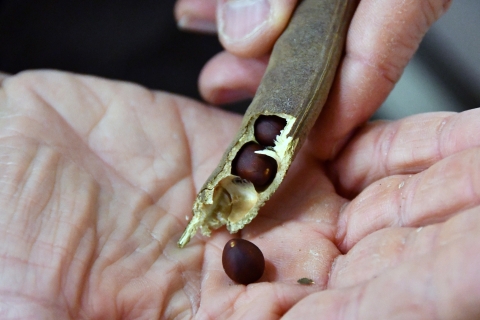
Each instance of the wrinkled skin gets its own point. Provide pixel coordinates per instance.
(98, 177)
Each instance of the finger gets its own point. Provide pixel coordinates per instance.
(3, 76)
(441, 284)
(382, 38)
(249, 28)
(431, 196)
(227, 78)
(406, 146)
(196, 15)
(391, 247)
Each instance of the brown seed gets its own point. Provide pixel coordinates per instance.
(257, 168)
(267, 128)
(243, 261)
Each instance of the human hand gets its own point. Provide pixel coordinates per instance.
(98, 176)
(382, 38)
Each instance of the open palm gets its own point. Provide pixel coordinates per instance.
(97, 182)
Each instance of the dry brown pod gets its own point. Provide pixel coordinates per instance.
(295, 87)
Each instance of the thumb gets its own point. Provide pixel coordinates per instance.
(249, 28)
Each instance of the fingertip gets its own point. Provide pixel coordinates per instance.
(3, 76)
(250, 28)
(196, 15)
(227, 78)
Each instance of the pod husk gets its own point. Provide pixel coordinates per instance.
(295, 87)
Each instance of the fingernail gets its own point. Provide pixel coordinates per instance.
(190, 23)
(240, 19)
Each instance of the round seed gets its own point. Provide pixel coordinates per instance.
(243, 261)
(257, 168)
(267, 128)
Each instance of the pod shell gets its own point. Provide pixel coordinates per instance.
(295, 87)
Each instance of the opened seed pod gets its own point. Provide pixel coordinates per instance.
(294, 88)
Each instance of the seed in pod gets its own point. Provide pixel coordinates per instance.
(267, 128)
(257, 168)
(243, 261)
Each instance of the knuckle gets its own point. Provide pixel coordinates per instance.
(434, 9)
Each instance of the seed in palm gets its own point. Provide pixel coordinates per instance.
(243, 261)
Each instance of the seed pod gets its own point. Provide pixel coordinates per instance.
(257, 168)
(243, 261)
(295, 87)
(267, 128)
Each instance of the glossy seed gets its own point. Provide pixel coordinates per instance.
(257, 168)
(267, 128)
(243, 261)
